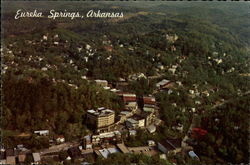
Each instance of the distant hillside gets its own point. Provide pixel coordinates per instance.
(49, 67)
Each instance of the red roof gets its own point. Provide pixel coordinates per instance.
(129, 99)
(199, 132)
(149, 100)
(108, 48)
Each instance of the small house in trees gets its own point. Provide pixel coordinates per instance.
(193, 155)
(149, 104)
(36, 157)
(42, 132)
(60, 139)
(87, 144)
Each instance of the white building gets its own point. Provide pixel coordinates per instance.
(162, 83)
(42, 132)
(151, 143)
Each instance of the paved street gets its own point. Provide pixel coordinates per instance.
(60, 147)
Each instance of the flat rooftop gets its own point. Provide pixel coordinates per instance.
(101, 111)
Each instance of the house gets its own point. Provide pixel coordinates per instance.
(20, 146)
(105, 152)
(129, 100)
(114, 90)
(151, 128)
(3, 161)
(45, 37)
(136, 76)
(11, 160)
(151, 143)
(2, 157)
(168, 87)
(149, 104)
(160, 66)
(170, 145)
(198, 133)
(132, 123)
(108, 48)
(21, 157)
(56, 43)
(148, 116)
(172, 70)
(60, 139)
(87, 144)
(193, 155)
(123, 148)
(140, 119)
(36, 157)
(178, 127)
(87, 47)
(163, 156)
(42, 132)
(158, 122)
(102, 83)
(86, 163)
(171, 38)
(162, 83)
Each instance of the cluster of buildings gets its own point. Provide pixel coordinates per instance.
(110, 142)
(20, 153)
(104, 84)
(108, 125)
(104, 120)
(138, 113)
(18, 156)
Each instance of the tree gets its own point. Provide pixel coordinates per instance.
(63, 155)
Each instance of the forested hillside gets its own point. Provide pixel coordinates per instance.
(203, 46)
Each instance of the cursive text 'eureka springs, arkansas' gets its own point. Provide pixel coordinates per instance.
(66, 14)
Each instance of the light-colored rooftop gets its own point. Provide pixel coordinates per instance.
(113, 150)
(101, 111)
(101, 81)
(129, 95)
(36, 157)
(162, 82)
(131, 120)
(151, 128)
(125, 112)
(105, 152)
(87, 137)
(123, 148)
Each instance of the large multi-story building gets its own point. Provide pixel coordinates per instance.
(101, 117)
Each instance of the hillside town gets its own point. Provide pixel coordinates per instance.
(167, 84)
(109, 130)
